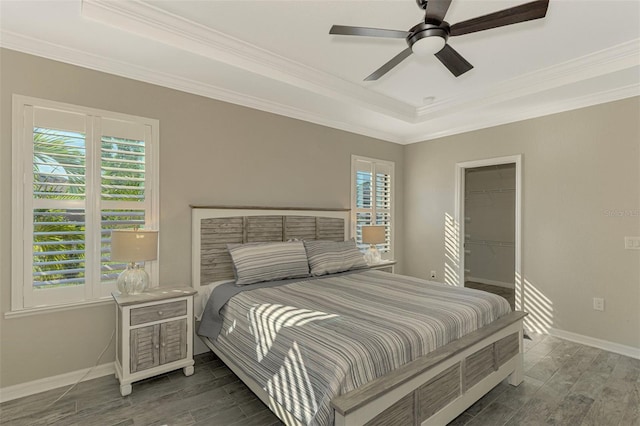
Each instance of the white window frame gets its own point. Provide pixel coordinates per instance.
(22, 207)
(354, 210)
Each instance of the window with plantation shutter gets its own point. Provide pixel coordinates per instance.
(78, 174)
(372, 199)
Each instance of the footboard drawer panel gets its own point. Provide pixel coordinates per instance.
(402, 413)
(478, 366)
(439, 392)
(506, 348)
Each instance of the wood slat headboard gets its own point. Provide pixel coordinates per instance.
(213, 228)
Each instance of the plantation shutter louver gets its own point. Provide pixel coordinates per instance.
(84, 175)
(123, 166)
(58, 160)
(372, 200)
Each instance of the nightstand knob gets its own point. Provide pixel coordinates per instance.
(160, 313)
(157, 346)
(164, 344)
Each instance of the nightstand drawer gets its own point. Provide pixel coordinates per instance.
(158, 312)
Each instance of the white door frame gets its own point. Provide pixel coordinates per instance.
(459, 214)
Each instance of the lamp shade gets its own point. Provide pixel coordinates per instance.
(374, 234)
(134, 246)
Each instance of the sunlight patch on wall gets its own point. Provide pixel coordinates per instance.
(518, 293)
(539, 307)
(451, 246)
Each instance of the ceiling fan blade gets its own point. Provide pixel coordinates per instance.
(437, 9)
(389, 65)
(453, 61)
(525, 12)
(367, 32)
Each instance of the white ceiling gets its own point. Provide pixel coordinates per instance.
(277, 56)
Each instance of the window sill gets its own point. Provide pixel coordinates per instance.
(58, 308)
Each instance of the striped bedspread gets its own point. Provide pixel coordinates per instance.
(309, 341)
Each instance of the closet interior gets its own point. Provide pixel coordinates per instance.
(489, 240)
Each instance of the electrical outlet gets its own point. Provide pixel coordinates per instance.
(598, 303)
(433, 275)
(632, 243)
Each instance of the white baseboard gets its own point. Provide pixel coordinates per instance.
(490, 282)
(48, 383)
(625, 350)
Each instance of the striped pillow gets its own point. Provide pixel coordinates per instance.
(329, 257)
(257, 262)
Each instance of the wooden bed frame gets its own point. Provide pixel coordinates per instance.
(431, 390)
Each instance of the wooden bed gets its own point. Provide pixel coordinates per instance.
(431, 390)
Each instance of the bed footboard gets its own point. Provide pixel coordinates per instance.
(436, 388)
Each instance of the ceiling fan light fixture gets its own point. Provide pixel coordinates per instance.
(426, 39)
(430, 36)
(428, 46)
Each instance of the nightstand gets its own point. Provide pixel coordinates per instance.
(384, 265)
(154, 334)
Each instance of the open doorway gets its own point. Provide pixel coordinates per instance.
(489, 236)
(488, 216)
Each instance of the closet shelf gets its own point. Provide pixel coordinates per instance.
(492, 243)
(490, 191)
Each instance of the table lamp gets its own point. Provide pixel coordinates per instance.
(372, 235)
(133, 246)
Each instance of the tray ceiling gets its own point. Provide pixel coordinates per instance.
(277, 56)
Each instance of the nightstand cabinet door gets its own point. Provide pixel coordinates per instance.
(145, 345)
(173, 341)
(154, 334)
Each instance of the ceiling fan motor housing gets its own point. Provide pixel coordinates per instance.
(424, 31)
(430, 36)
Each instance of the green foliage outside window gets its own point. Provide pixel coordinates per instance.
(59, 173)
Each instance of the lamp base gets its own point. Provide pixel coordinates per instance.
(372, 256)
(133, 280)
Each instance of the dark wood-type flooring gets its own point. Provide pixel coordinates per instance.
(565, 384)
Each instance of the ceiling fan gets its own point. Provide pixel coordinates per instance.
(430, 36)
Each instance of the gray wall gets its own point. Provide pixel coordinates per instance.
(210, 153)
(581, 196)
(580, 169)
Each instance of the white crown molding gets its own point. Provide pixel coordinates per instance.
(625, 350)
(515, 115)
(84, 59)
(41, 385)
(151, 22)
(616, 58)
